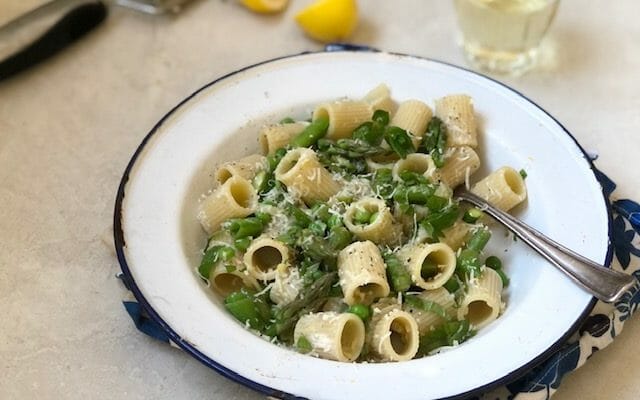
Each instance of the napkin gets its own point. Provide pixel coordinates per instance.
(597, 332)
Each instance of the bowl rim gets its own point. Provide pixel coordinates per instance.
(192, 350)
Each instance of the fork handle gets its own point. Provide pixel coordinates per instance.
(603, 283)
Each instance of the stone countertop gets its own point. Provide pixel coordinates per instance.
(69, 126)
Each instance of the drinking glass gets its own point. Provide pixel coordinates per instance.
(503, 36)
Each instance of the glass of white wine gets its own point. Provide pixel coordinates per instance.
(503, 36)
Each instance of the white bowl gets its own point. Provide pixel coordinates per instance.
(159, 240)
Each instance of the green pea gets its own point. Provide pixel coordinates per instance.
(361, 310)
(493, 262)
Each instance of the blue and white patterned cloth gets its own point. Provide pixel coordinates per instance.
(596, 333)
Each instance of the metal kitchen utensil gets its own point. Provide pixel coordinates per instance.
(603, 283)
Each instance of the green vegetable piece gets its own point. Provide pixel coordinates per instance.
(399, 141)
(261, 181)
(429, 269)
(303, 345)
(503, 277)
(318, 228)
(398, 275)
(274, 159)
(436, 222)
(434, 142)
(241, 228)
(321, 211)
(426, 305)
(479, 239)
(523, 174)
(468, 263)
(247, 309)
(420, 194)
(334, 221)
(453, 284)
(290, 237)
(411, 178)
(369, 133)
(230, 268)
(361, 310)
(472, 215)
(437, 203)
(448, 334)
(287, 120)
(381, 117)
(312, 133)
(361, 216)
(226, 253)
(316, 247)
(339, 238)
(300, 217)
(209, 260)
(336, 291)
(264, 217)
(373, 217)
(309, 299)
(382, 183)
(493, 262)
(242, 244)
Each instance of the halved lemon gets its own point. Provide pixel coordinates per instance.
(265, 6)
(329, 20)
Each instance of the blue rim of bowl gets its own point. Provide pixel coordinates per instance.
(228, 373)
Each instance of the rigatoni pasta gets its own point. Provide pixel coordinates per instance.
(344, 116)
(458, 114)
(504, 188)
(361, 270)
(460, 164)
(336, 336)
(370, 219)
(235, 198)
(430, 265)
(413, 116)
(344, 241)
(482, 302)
(246, 168)
(394, 335)
(303, 174)
(379, 98)
(277, 136)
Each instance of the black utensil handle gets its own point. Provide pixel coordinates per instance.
(74, 23)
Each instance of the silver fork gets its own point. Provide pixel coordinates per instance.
(603, 283)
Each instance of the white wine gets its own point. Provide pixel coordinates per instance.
(503, 35)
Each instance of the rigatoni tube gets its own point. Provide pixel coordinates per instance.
(504, 188)
(379, 98)
(456, 235)
(332, 335)
(226, 280)
(458, 115)
(482, 302)
(301, 172)
(430, 265)
(264, 256)
(344, 116)
(274, 137)
(236, 198)
(394, 335)
(380, 227)
(362, 273)
(417, 162)
(246, 168)
(459, 164)
(412, 116)
(440, 301)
